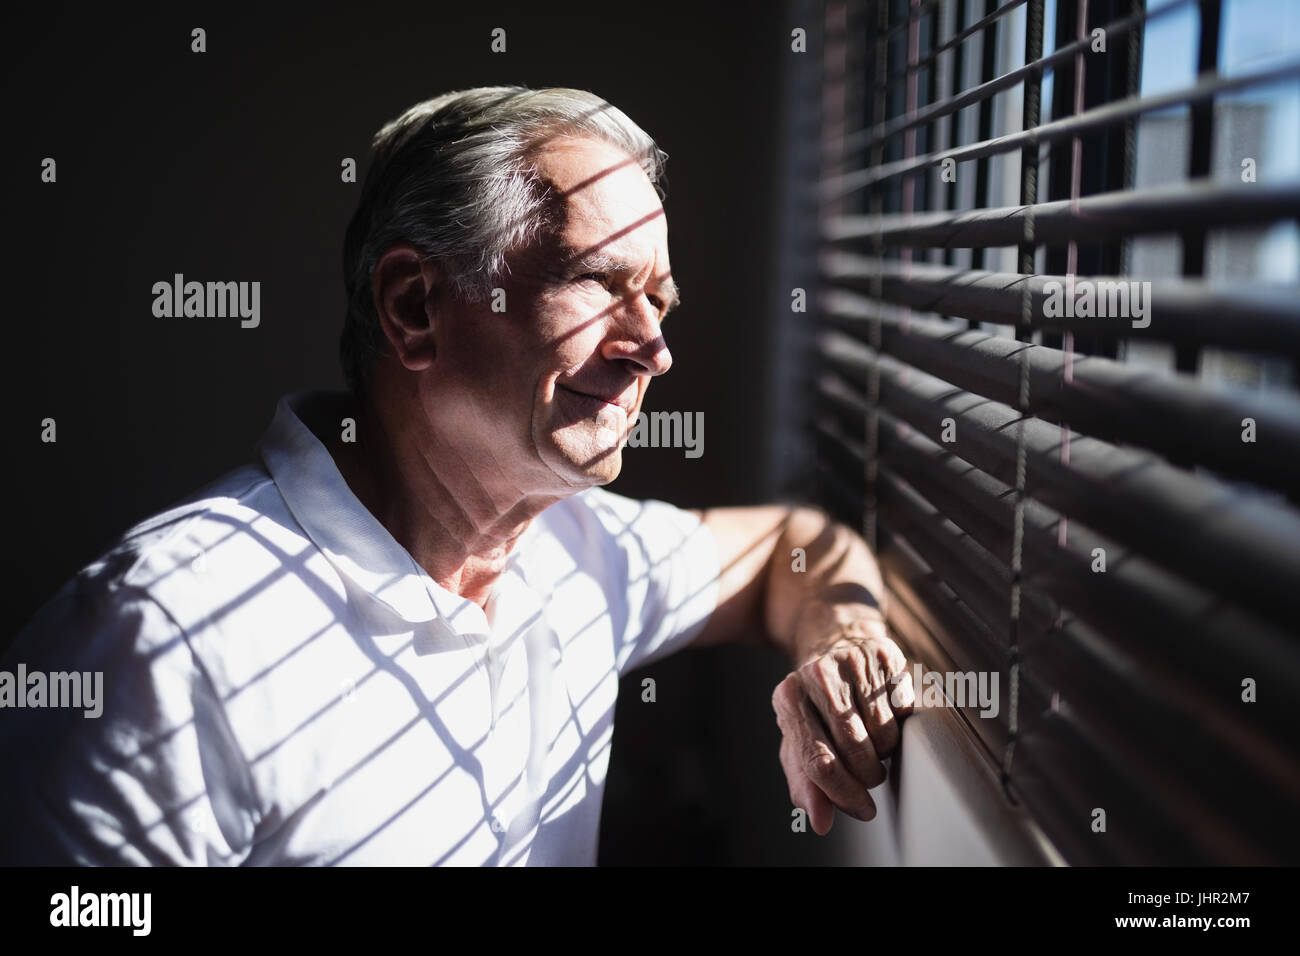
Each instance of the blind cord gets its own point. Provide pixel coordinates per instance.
(1029, 178)
(877, 290)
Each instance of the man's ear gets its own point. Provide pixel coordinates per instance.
(406, 287)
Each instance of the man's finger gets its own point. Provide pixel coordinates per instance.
(815, 755)
(832, 695)
(804, 794)
(902, 695)
(871, 690)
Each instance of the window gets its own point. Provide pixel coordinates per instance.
(1054, 339)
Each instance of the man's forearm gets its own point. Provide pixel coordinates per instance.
(823, 585)
(839, 708)
(812, 588)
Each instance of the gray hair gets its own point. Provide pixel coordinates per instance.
(453, 176)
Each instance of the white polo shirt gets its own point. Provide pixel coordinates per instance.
(283, 684)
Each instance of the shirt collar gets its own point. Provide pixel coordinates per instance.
(351, 538)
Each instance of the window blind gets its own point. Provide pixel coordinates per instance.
(1056, 332)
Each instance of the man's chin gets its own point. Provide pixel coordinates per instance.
(604, 467)
(587, 467)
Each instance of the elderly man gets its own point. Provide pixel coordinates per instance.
(398, 638)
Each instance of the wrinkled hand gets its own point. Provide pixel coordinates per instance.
(839, 713)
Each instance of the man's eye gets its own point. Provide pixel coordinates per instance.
(599, 277)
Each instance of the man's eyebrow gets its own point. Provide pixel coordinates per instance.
(671, 294)
(592, 261)
(598, 261)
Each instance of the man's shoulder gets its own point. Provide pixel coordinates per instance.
(656, 564)
(226, 511)
(185, 558)
(235, 491)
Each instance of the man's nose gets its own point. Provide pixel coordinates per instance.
(637, 339)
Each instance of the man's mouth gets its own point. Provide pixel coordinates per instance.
(597, 399)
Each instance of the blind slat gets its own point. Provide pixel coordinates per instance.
(1060, 659)
(1081, 663)
(1240, 316)
(1116, 215)
(1067, 763)
(948, 44)
(1104, 398)
(1237, 543)
(1100, 117)
(865, 139)
(1191, 630)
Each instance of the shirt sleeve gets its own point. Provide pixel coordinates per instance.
(671, 566)
(144, 770)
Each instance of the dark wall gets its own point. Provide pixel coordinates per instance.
(225, 166)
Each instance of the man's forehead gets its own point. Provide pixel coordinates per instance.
(601, 187)
(613, 220)
(625, 244)
(575, 165)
